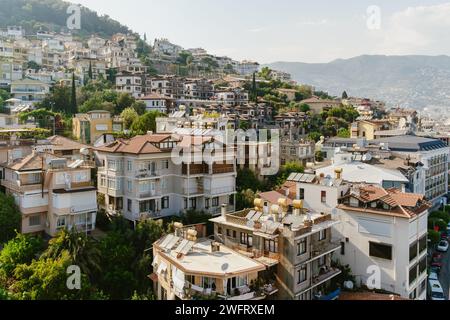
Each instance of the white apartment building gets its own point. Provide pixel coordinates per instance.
(433, 154)
(378, 227)
(51, 193)
(163, 46)
(30, 91)
(154, 102)
(9, 72)
(234, 97)
(385, 229)
(139, 178)
(130, 83)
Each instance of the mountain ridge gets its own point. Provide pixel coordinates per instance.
(414, 81)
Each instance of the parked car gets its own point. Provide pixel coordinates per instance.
(435, 290)
(436, 270)
(437, 264)
(433, 276)
(437, 256)
(442, 246)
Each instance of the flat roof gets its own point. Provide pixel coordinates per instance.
(202, 260)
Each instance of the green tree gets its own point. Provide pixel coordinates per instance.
(140, 107)
(58, 100)
(90, 73)
(73, 96)
(343, 133)
(305, 107)
(124, 100)
(10, 218)
(315, 136)
(344, 95)
(46, 279)
(82, 250)
(20, 250)
(319, 156)
(33, 65)
(145, 123)
(129, 115)
(246, 179)
(434, 237)
(245, 199)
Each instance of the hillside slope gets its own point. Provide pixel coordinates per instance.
(412, 81)
(51, 15)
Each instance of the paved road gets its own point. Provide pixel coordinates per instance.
(444, 277)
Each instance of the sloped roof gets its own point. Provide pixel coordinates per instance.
(33, 161)
(137, 145)
(63, 143)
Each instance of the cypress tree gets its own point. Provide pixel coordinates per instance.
(90, 71)
(73, 98)
(255, 94)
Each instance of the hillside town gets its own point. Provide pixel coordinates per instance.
(190, 176)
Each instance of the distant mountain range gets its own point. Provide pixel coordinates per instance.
(409, 81)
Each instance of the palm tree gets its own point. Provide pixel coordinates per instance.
(82, 250)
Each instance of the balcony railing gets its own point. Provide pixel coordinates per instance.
(325, 275)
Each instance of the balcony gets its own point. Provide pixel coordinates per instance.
(149, 194)
(325, 274)
(144, 174)
(321, 249)
(17, 186)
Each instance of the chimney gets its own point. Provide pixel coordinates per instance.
(223, 210)
(338, 172)
(178, 227)
(283, 204)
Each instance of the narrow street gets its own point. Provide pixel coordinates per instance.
(444, 277)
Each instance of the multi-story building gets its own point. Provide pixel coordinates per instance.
(317, 105)
(294, 243)
(51, 193)
(231, 97)
(187, 268)
(297, 151)
(140, 177)
(29, 91)
(130, 83)
(198, 89)
(155, 102)
(433, 154)
(368, 128)
(385, 230)
(88, 127)
(246, 67)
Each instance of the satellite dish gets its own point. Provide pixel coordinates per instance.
(225, 267)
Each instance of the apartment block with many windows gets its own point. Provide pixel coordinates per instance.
(295, 244)
(52, 193)
(140, 179)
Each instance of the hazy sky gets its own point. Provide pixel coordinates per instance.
(289, 30)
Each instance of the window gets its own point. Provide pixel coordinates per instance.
(219, 231)
(228, 233)
(209, 283)
(130, 186)
(302, 274)
(129, 205)
(413, 274)
(234, 234)
(302, 246)
(246, 239)
(379, 250)
(423, 244)
(343, 248)
(165, 203)
(34, 221)
(61, 223)
(215, 202)
(302, 194)
(270, 245)
(423, 265)
(185, 203)
(413, 251)
(129, 165)
(207, 203)
(165, 164)
(322, 235)
(193, 203)
(413, 295)
(322, 261)
(323, 196)
(423, 287)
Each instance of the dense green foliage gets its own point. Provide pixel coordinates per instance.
(10, 218)
(51, 15)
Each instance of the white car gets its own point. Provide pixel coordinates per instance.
(435, 290)
(433, 276)
(442, 246)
